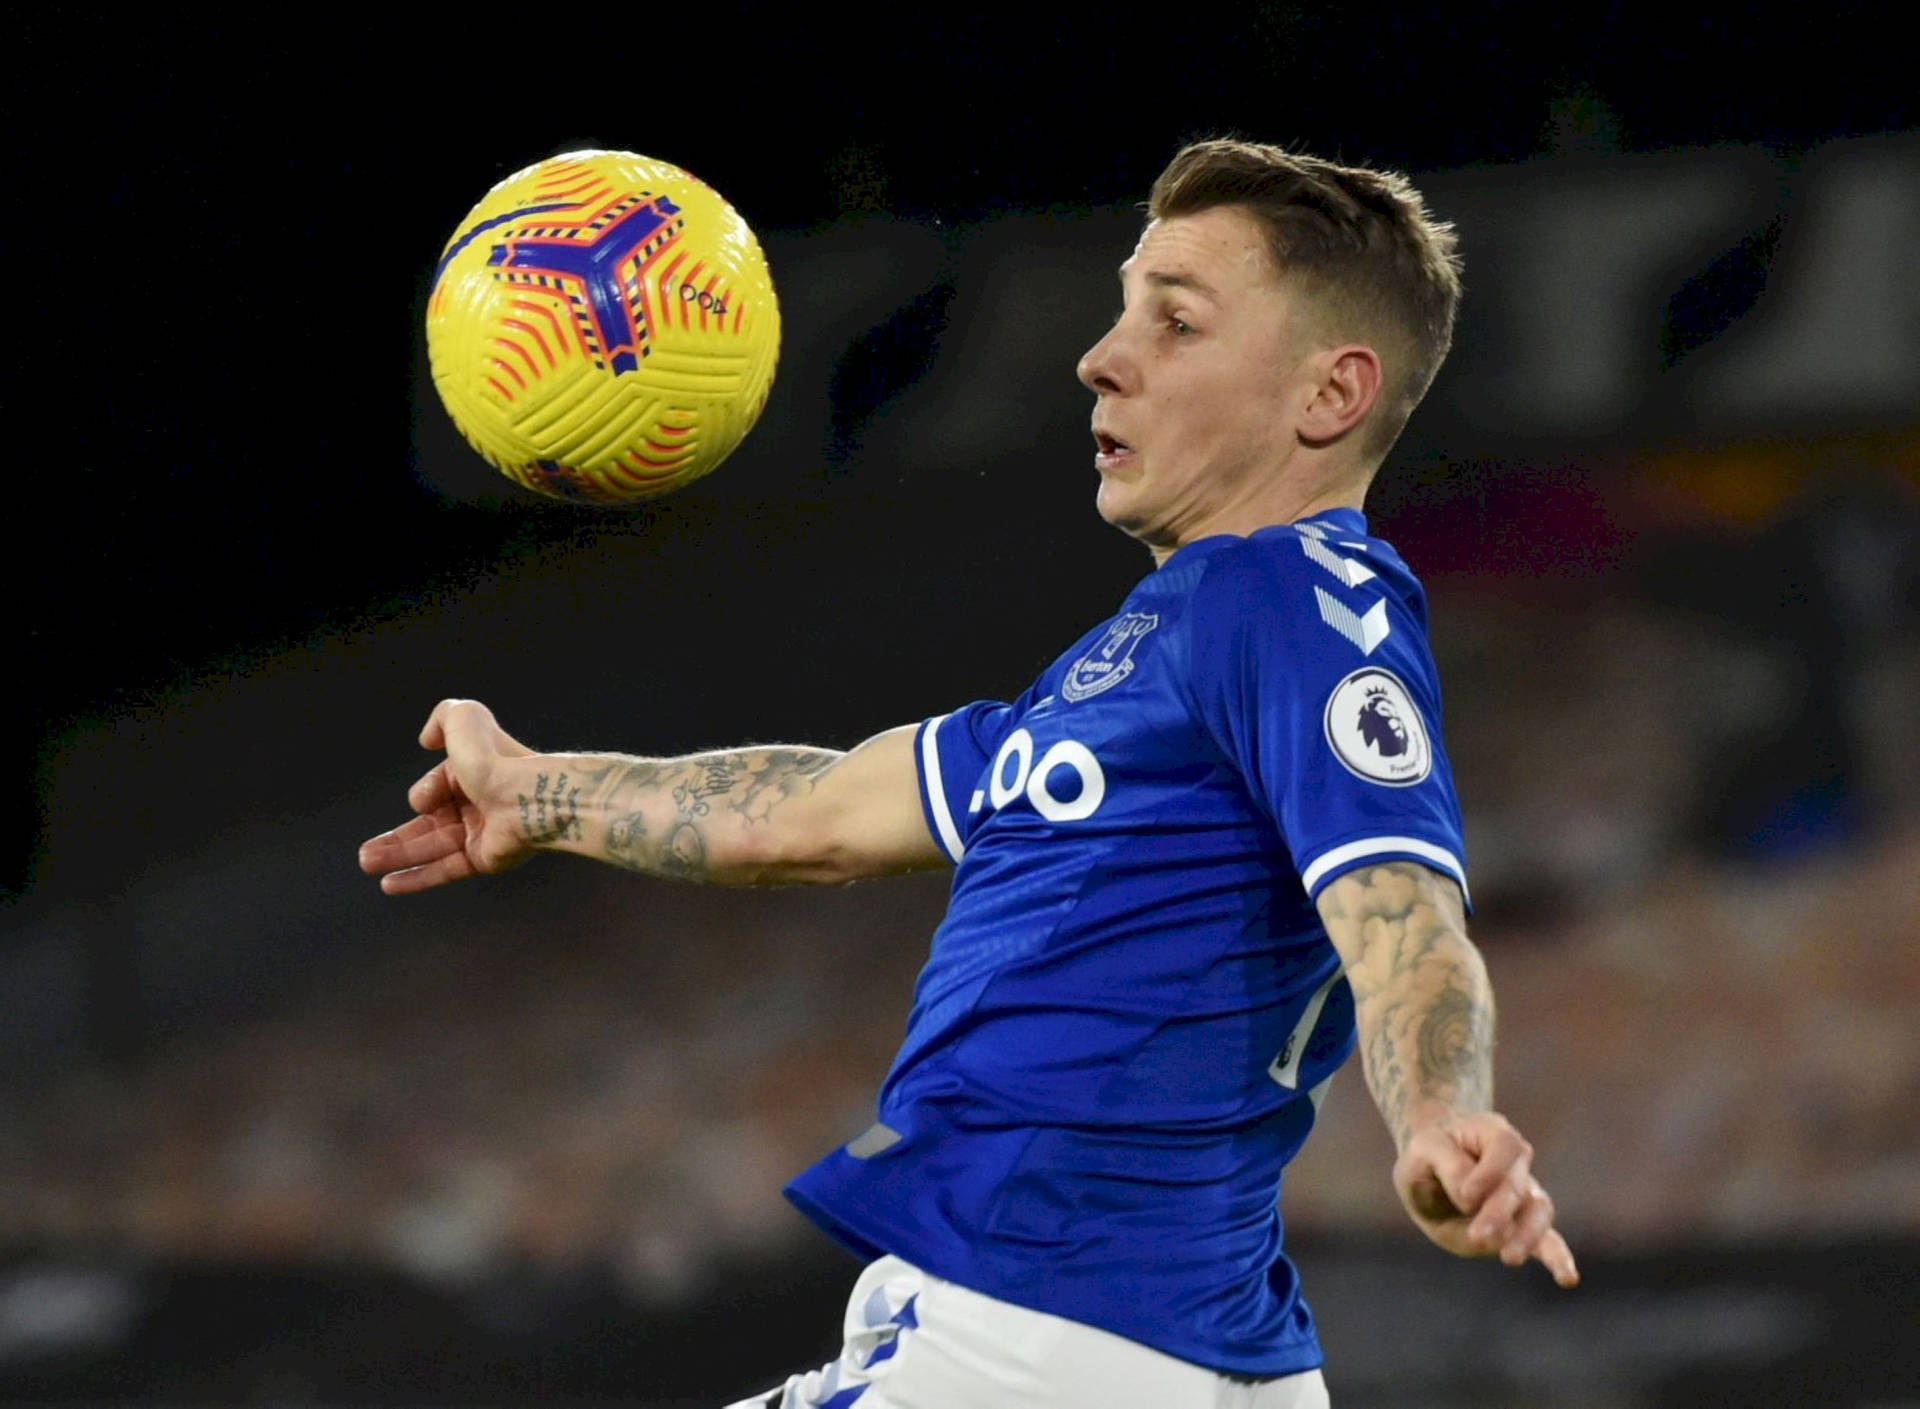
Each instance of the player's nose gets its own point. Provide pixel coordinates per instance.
(1103, 367)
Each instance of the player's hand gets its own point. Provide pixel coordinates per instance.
(468, 822)
(1467, 1182)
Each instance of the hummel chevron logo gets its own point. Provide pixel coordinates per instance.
(1365, 631)
(1346, 569)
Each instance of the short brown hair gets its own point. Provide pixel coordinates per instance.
(1361, 242)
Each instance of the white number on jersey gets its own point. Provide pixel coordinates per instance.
(1037, 780)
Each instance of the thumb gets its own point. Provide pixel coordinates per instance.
(468, 726)
(453, 717)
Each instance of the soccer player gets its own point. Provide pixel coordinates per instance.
(1213, 843)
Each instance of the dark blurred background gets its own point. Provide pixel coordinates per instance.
(267, 1137)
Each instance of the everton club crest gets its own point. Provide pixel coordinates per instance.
(1110, 662)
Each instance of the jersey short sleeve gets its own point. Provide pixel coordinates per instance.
(1316, 680)
(950, 753)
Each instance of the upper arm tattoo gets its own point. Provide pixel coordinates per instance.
(1424, 1006)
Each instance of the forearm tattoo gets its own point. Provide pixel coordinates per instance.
(553, 812)
(1424, 1006)
(674, 817)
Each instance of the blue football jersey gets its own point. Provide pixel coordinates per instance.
(1131, 1009)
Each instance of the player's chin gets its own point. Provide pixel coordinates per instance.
(1118, 501)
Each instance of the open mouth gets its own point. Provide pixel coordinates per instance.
(1110, 451)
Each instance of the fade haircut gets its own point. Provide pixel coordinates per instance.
(1376, 266)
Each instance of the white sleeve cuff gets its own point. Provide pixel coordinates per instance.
(1345, 856)
(935, 791)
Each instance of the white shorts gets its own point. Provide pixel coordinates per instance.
(915, 1341)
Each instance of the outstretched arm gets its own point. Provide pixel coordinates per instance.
(765, 815)
(1425, 1013)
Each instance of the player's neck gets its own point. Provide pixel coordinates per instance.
(1268, 511)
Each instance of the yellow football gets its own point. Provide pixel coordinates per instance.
(603, 327)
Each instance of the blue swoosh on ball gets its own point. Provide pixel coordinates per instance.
(486, 225)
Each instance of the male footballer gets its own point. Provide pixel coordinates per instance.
(1212, 846)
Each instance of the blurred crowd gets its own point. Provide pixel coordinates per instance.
(629, 1088)
(1697, 865)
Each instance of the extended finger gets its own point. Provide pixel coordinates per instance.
(1530, 1225)
(415, 843)
(452, 867)
(1557, 1258)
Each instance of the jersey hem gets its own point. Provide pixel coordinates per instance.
(866, 1249)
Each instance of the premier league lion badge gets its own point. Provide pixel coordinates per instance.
(1110, 662)
(1375, 729)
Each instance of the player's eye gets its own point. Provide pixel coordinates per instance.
(1181, 328)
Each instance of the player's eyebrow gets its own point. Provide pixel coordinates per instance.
(1176, 278)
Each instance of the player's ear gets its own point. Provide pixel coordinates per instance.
(1345, 389)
